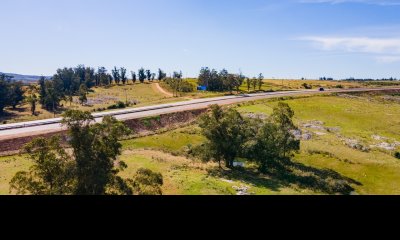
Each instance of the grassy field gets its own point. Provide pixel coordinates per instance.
(366, 120)
(147, 94)
(346, 152)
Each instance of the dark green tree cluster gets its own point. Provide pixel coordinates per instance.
(220, 81)
(69, 82)
(11, 93)
(90, 167)
(119, 75)
(268, 142)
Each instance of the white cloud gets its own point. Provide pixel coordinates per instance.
(358, 44)
(374, 2)
(385, 50)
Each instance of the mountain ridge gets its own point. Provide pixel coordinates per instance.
(24, 78)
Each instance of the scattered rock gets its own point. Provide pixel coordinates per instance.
(320, 133)
(315, 125)
(297, 134)
(379, 138)
(333, 129)
(385, 146)
(226, 180)
(242, 190)
(306, 136)
(355, 144)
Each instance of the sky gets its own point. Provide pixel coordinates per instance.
(279, 38)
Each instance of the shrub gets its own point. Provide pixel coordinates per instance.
(118, 105)
(339, 86)
(397, 155)
(306, 86)
(186, 87)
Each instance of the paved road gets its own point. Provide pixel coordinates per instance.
(11, 131)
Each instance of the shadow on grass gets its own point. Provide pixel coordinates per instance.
(250, 176)
(292, 174)
(10, 114)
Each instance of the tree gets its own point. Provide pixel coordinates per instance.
(239, 79)
(248, 82)
(142, 75)
(260, 81)
(89, 168)
(176, 82)
(4, 92)
(283, 117)
(123, 76)
(42, 92)
(103, 77)
(270, 143)
(224, 133)
(90, 77)
(32, 100)
(96, 148)
(16, 94)
(147, 182)
(262, 146)
(83, 94)
(153, 76)
(148, 75)
(51, 173)
(52, 97)
(161, 75)
(254, 81)
(133, 77)
(204, 77)
(116, 75)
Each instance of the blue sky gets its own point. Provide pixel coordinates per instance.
(280, 38)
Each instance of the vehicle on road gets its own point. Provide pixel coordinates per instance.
(322, 89)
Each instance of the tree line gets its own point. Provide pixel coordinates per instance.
(269, 142)
(224, 81)
(69, 82)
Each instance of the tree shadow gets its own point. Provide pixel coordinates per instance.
(246, 175)
(6, 116)
(291, 174)
(324, 180)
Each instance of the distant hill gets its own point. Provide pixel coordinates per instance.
(25, 78)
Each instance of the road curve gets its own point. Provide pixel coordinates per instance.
(16, 130)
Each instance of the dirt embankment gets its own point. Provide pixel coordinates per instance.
(139, 126)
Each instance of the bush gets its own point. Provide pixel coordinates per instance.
(118, 105)
(339, 86)
(397, 155)
(306, 86)
(186, 87)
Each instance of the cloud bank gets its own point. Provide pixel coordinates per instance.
(385, 50)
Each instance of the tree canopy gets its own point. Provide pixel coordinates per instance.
(87, 166)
